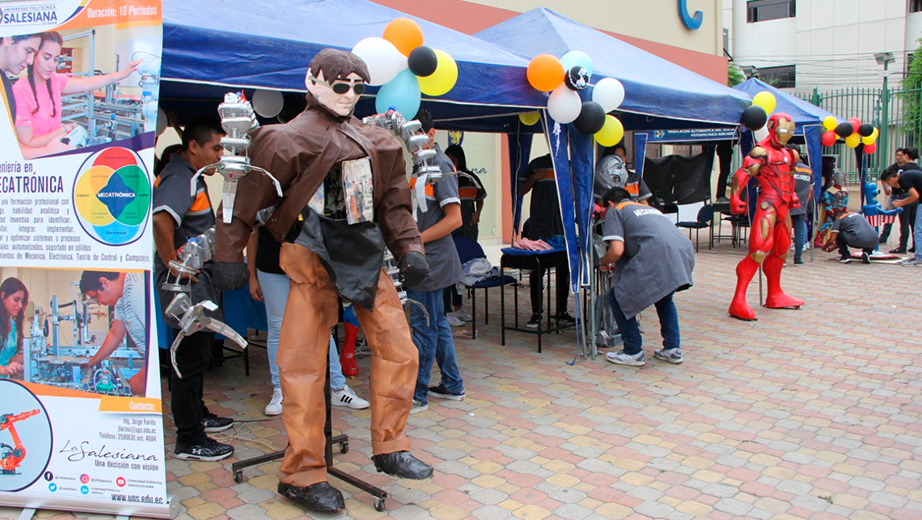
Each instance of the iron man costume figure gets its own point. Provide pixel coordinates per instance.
(770, 239)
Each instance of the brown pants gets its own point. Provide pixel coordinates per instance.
(310, 314)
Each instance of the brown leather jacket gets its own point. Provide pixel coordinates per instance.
(299, 154)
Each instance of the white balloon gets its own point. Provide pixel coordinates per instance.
(384, 61)
(161, 121)
(268, 103)
(761, 133)
(564, 105)
(609, 93)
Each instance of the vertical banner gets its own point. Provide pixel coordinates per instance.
(81, 425)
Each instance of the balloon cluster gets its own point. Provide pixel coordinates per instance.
(853, 131)
(756, 115)
(405, 68)
(564, 78)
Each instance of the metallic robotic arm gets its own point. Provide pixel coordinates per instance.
(237, 118)
(192, 257)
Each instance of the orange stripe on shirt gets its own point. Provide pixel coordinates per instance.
(201, 202)
(430, 191)
(625, 203)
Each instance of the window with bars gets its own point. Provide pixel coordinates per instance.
(764, 10)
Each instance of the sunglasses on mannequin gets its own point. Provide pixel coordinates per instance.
(341, 88)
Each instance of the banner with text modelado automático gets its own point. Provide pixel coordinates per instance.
(81, 425)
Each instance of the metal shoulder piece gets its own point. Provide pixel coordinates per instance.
(237, 119)
(192, 257)
(411, 133)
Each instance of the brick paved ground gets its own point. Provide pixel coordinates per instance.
(804, 414)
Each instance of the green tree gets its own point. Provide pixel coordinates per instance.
(912, 101)
(735, 76)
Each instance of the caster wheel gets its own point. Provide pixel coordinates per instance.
(344, 447)
(238, 477)
(379, 505)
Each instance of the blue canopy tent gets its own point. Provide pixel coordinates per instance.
(658, 95)
(808, 118)
(211, 46)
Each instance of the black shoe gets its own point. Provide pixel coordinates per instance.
(865, 258)
(442, 393)
(898, 251)
(912, 249)
(210, 450)
(534, 322)
(402, 464)
(320, 497)
(215, 424)
(565, 320)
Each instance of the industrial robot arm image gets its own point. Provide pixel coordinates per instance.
(237, 119)
(12, 456)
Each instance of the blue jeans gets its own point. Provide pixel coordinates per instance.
(917, 235)
(434, 342)
(800, 235)
(275, 291)
(630, 331)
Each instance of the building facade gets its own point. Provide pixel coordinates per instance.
(822, 44)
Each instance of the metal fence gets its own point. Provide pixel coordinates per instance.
(886, 109)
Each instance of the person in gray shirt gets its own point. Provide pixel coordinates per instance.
(651, 260)
(432, 334)
(851, 230)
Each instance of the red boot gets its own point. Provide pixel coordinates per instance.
(777, 298)
(347, 356)
(744, 272)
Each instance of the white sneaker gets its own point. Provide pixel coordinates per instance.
(453, 320)
(463, 315)
(275, 404)
(346, 398)
(623, 358)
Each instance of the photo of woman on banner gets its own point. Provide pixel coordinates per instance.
(14, 297)
(16, 53)
(38, 98)
(126, 292)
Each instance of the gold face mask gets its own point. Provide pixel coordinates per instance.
(784, 131)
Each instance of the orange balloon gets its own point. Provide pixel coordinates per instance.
(545, 72)
(405, 34)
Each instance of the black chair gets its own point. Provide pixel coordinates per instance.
(469, 249)
(705, 214)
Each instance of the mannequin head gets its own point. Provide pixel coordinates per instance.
(336, 79)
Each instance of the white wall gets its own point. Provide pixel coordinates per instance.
(832, 42)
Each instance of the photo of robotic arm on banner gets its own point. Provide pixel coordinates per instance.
(11, 456)
(191, 258)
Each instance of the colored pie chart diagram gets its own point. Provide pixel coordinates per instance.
(112, 196)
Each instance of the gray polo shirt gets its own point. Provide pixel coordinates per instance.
(803, 186)
(131, 310)
(856, 230)
(657, 261)
(444, 264)
(192, 215)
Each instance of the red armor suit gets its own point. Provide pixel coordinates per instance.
(770, 239)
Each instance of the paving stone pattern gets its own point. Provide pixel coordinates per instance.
(810, 413)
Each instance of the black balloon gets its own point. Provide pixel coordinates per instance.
(866, 129)
(845, 129)
(754, 118)
(577, 78)
(422, 61)
(591, 118)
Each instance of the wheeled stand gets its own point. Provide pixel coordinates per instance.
(343, 442)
